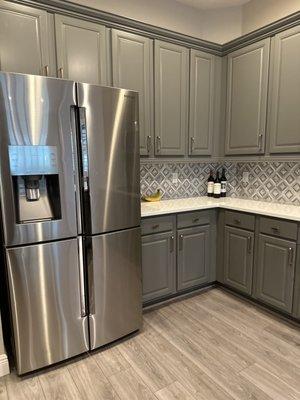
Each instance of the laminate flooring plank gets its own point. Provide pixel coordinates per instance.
(111, 361)
(175, 391)
(59, 385)
(28, 388)
(3, 391)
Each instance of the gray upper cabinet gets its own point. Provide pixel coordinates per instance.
(81, 48)
(24, 39)
(132, 64)
(158, 265)
(275, 272)
(238, 258)
(201, 117)
(171, 98)
(193, 259)
(247, 86)
(284, 121)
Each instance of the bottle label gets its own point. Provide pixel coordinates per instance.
(223, 186)
(217, 188)
(210, 187)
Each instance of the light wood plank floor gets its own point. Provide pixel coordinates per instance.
(213, 346)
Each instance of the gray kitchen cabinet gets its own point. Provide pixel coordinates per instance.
(81, 49)
(193, 256)
(202, 90)
(246, 108)
(158, 265)
(275, 270)
(238, 258)
(284, 118)
(296, 300)
(171, 98)
(24, 38)
(132, 66)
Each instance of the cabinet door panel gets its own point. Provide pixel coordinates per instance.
(158, 265)
(296, 302)
(238, 259)
(247, 84)
(171, 87)
(24, 39)
(193, 256)
(275, 272)
(133, 69)
(81, 50)
(285, 94)
(202, 66)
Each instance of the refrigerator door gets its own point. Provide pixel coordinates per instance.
(115, 292)
(36, 150)
(47, 303)
(109, 137)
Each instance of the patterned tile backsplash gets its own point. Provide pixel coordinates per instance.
(268, 180)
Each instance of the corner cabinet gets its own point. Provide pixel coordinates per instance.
(132, 65)
(81, 48)
(246, 109)
(284, 119)
(202, 90)
(24, 37)
(171, 98)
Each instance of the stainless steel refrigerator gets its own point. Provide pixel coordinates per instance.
(69, 187)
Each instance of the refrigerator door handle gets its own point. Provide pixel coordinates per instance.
(82, 280)
(84, 149)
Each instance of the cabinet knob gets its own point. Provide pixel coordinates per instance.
(61, 72)
(275, 229)
(158, 144)
(148, 143)
(46, 70)
(171, 244)
(180, 242)
(155, 226)
(291, 256)
(237, 221)
(192, 145)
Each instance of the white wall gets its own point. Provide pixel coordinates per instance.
(219, 25)
(258, 13)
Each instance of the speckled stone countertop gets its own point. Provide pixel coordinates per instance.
(271, 209)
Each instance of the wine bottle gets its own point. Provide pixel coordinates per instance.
(210, 184)
(217, 186)
(223, 183)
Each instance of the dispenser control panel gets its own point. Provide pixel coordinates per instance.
(33, 160)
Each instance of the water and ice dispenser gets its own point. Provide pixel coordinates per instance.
(34, 170)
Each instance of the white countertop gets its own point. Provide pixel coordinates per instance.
(271, 209)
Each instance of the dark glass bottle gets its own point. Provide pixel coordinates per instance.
(217, 186)
(210, 184)
(223, 183)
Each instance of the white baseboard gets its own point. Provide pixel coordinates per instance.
(4, 366)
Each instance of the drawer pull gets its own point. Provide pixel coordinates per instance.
(237, 221)
(291, 256)
(180, 242)
(171, 244)
(155, 226)
(249, 244)
(195, 220)
(275, 229)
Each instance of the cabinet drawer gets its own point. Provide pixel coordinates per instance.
(193, 219)
(157, 224)
(240, 220)
(280, 228)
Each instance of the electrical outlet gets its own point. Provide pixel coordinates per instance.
(245, 178)
(174, 177)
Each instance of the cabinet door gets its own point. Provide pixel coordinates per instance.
(202, 66)
(24, 39)
(158, 265)
(285, 94)
(193, 257)
(132, 62)
(238, 259)
(247, 84)
(171, 88)
(81, 50)
(296, 302)
(275, 272)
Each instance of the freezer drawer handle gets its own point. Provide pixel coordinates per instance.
(81, 280)
(84, 149)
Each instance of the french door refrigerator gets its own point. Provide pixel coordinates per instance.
(69, 188)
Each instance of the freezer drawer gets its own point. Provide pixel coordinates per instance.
(115, 286)
(109, 143)
(46, 303)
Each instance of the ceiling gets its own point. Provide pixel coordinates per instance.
(212, 4)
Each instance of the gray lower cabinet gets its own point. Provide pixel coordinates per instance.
(132, 66)
(81, 48)
(275, 272)
(238, 258)
(24, 35)
(284, 120)
(193, 256)
(171, 75)
(158, 265)
(296, 301)
(247, 86)
(202, 91)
